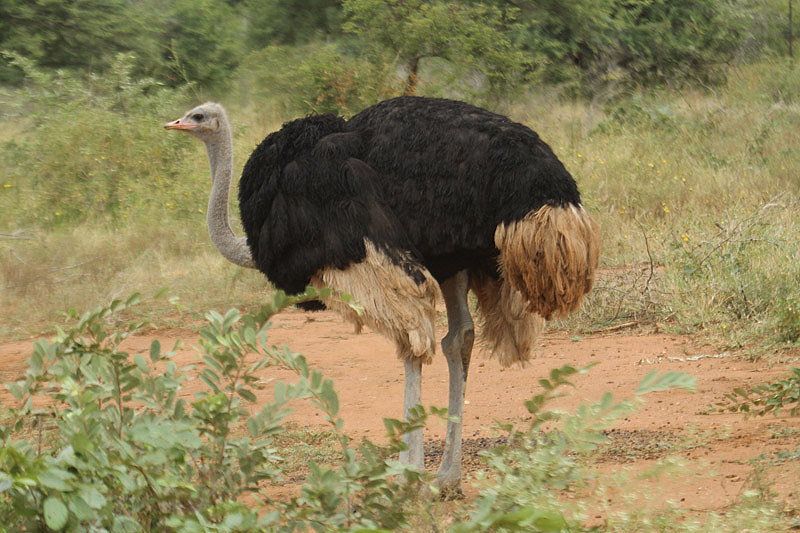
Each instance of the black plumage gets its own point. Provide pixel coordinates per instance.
(432, 178)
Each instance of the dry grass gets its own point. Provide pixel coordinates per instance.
(695, 192)
(48, 272)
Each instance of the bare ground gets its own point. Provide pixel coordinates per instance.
(717, 448)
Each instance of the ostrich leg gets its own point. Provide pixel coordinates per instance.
(415, 454)
(457, 348)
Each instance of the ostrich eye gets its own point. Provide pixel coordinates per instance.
(198, 117)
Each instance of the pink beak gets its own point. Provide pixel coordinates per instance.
(178, 125)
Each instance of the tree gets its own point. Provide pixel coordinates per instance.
(666, 40)
(203, 42)
(73, 33)
(469, 38)
(290, 22)
(640, 41)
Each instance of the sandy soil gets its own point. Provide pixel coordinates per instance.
(717, 448)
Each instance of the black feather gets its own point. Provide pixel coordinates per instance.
(427, 180)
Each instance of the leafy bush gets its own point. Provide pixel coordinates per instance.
(432, 48)
(290, 22)
(472, 39)
(93, 149)
(105, 441)
(319, 78)
(772, 397)
(83, 34)
(593, 45)
(203, 43)
(528, 477)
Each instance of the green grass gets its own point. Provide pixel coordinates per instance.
(302, 445)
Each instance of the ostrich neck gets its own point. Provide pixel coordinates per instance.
(220, 157)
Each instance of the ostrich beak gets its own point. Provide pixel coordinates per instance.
(178, 125)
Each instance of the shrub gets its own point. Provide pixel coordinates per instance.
(548, 457)
(104, 440)
(93, 149)
(319, 79)
(772, 397)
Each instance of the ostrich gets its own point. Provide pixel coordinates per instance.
(411, 199)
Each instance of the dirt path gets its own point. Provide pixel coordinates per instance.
(717, 448)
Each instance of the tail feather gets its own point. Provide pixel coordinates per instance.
(509, 331)
(550, 257)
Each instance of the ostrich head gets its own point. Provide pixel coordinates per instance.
(209, 123)
(206, 122)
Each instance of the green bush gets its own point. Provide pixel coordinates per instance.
(529, 476)
(772, 397)
(104, 441)
(593, 46)
(203, 43)
(92, 148)
(75, 35)
(318, 78)
(481, 63)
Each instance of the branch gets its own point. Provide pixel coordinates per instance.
(18, 235)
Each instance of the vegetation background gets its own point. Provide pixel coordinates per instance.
(678, 118)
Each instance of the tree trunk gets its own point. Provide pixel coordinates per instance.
(411, 81)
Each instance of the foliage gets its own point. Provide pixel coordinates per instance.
(600, 44)
(203, 43)
(93, 150)
(491, 45)
(290, 22)
(318, 79)
(673, 40)
(113, 444)
(772, 397)
(530, 474)
(72, 34)
(177, 41)
(470, 38)
(106, 440)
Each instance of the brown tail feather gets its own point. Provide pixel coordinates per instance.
(550, 256)
(508, 330)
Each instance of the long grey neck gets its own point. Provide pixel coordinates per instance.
(220, 157)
